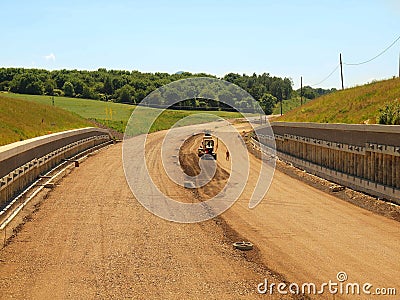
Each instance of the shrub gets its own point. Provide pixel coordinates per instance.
(390, 113)
(5, 86)
(58, 92)
(68, 88)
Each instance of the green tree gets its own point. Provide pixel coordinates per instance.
(287, 88)
(309, 92)
(207, 93)
(171, 96)
(49, 86)
(108, 86)
(257, 91)
(225, 96)
(125, 93)
(277, 89)
(34, 88)
(60, 77)
(98, 87)
(26, 83)
(78, 85)
(68, 89)
(267, 103)
(4, 85)
(87, 92)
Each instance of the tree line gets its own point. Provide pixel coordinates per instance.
(133, 86)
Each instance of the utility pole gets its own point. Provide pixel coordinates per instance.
(399, 64)
(301, 90)
(281, 108)
(341, 69)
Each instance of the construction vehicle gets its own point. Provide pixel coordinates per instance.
(208, 145)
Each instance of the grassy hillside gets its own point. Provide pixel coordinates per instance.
(113, 115)
(288, 105)
(21, 119)
(355, 105)
(116, 115)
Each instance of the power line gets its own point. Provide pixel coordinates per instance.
(327, 77)
(360, 63)
(367, 61)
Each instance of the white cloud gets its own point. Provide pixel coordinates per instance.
(50, 57)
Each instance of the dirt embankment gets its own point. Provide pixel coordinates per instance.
(189, 161)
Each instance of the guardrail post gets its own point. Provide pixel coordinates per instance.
(397, 171)
(395, 168)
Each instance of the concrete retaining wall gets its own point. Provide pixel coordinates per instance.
(21, 163)
(363, 157)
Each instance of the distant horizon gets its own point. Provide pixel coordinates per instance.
(290, 39)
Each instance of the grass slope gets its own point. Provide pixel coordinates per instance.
(288, 105)
(354, 105)
(113, 115)
(21, 119)
(116, 115)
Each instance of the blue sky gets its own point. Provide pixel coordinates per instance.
(283, 38)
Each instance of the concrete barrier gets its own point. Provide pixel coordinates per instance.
(21, 163)
(363, 157)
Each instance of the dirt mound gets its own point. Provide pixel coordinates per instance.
(189, 162)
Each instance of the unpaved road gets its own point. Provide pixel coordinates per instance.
(92, 239)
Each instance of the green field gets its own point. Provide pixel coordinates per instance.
(20, 120)
(116, 115)
(354, 105)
